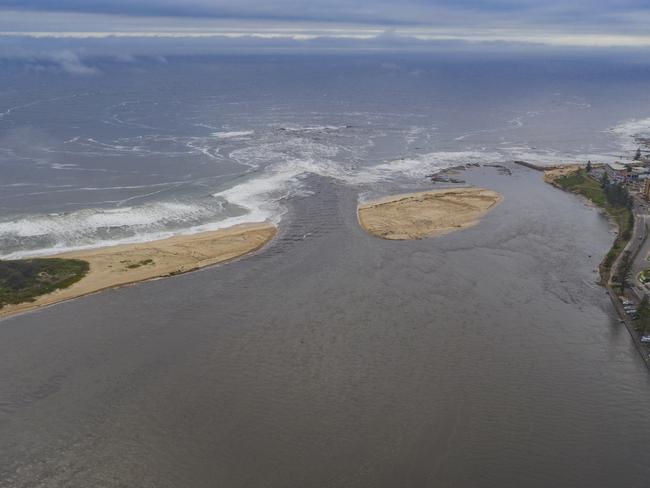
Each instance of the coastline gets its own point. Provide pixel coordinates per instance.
(426, 214)
(607, 271)
(126, 264)
(568, 178)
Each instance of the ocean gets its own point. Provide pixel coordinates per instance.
(152, 147)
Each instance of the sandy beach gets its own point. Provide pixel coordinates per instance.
(115, 266)
(422, 215)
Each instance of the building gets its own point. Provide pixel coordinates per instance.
(646, 189)
(616, 172)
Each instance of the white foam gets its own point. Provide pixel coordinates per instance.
(315, 128)
(63, 166)
(90, 220)
(87, 228)
(278, 169)
(630, 131)
(425, 164)
(550, 157)
(233, 134)
(262, 196)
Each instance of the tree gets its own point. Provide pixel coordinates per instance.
(637, 155)
(589, 166)
(624, 270)
(643, 310)
(604, 180)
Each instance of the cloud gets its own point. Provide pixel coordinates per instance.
(552, 22)
(497, 13)
(48, 55)
(71, 63)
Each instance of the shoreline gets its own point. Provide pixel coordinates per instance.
(128, 264)
(606, 273)
(595, 196)
(426, 214)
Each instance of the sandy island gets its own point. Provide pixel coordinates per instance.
(131, 263)
(421, 215)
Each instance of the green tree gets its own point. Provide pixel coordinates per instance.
(604, 180)
(643, 311)
(589, 166)
(624, 270)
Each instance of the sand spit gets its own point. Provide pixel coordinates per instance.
(422, 215)
(115, 266)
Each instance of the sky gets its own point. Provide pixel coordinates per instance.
(380, 24)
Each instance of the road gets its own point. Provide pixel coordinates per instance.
(640, 249)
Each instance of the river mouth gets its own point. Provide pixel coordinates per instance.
(488, 357)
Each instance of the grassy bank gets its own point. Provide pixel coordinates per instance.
(24, 280)
(579, 182)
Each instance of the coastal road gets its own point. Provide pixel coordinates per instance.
(640, 248)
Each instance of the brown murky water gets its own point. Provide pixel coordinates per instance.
(486, 358)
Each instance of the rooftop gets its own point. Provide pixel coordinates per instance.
(617, 166)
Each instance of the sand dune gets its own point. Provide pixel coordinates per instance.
(130, 263)
(421, 215)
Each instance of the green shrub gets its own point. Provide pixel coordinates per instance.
(24, 280)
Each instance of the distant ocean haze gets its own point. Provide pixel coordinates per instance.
(144, 150)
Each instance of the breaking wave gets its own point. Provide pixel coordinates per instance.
(233, 134)
(632, 133)
(277, 165)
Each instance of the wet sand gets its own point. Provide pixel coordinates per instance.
(131, 263)
(422, 215)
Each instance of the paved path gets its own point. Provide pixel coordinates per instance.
(641, 260)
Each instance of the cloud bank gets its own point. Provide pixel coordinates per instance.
(599, 23)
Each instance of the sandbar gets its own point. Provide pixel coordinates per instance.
(426, 214)
(125, 264)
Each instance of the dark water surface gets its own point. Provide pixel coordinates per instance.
(485, 358)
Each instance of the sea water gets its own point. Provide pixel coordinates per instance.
(147, 149)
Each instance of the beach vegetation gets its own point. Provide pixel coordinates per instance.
(144, 262)
(25, 279)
